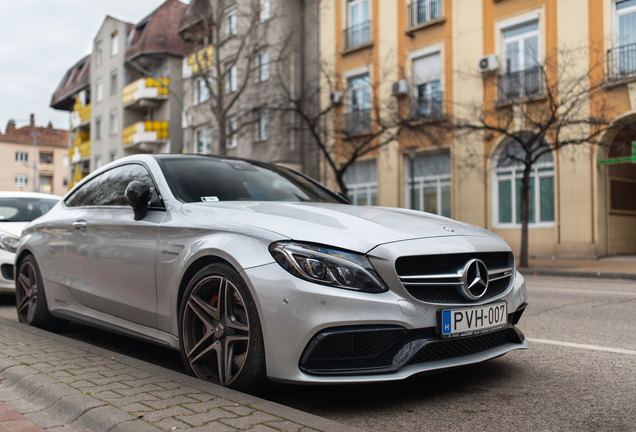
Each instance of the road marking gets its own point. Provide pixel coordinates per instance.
(590, 347)
(583, 291)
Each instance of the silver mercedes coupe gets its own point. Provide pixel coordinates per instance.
(257, 273)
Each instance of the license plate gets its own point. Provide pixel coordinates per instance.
(474, 320)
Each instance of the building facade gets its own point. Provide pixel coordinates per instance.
(18, 156)
(435, 51)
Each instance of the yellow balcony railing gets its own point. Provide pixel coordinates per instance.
(80, 137)
(79, 151)
(202, 58)
(80, 114)
(145, 88)
(148, 132)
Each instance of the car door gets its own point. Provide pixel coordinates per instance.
(110, 256)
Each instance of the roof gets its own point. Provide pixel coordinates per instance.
(191, 16)
(157, 33)
(75, 79)
(48, 136)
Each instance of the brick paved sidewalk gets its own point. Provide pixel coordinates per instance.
(63, 385)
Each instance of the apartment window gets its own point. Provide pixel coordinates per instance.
(201, 91)
(98, 161)
(261, 126)
(65, 182)
(421, 11)
(46, 158)
(99, 90)
(264, 15)
(114, 126)
(507, 185)
(358, 30)
(65, 160)
(204, 140)
(98, 128)
(231, 21)
(427, 86)
(522, 74)
(359, 104)
(231, 138)
(623, 59)
(114, 44)
(230, 79)
(21, 180)
(361, 179)
(262, 66)
(113, 83)
(428, 180)
(21, 157)
(112, 156)
(99, 53)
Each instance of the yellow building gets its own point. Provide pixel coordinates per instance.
(452, 58)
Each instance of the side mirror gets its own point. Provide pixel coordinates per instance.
(138, 196)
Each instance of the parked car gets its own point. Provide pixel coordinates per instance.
(257, 273)
(17, 209)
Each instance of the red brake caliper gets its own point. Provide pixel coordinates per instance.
(214, 303)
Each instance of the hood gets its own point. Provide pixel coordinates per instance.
(13, 228)
(345, 226)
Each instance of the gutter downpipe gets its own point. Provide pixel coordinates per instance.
(302, 85)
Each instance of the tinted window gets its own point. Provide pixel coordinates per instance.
(113, 184)
(24, 209)
(211, 179)
(84, 196)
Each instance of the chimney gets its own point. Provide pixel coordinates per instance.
(10, 127)
(32, 121)
(50, 125)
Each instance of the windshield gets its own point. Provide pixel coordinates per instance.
(203, 179)
(24, 209)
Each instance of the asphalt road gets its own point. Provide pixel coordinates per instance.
(579, 373)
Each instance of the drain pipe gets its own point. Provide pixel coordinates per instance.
(302, 85)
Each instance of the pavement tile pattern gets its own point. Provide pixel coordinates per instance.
(49, 385)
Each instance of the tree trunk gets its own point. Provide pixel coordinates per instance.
(341, 182)
(525, 215)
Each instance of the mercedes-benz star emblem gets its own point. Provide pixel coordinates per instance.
(474, 280)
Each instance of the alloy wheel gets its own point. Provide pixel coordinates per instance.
(26, 292)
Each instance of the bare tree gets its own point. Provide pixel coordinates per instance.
(539, 111)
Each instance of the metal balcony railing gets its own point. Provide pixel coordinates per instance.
(621, 62)
(358, 121)
(428, 106)
(356, 35)
(421, 11)
(520, 84)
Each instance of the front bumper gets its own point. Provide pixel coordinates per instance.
(7, 282)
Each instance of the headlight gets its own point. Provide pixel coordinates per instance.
(8, 242)
(328, 266)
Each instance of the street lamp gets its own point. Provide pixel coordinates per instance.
(412, 150)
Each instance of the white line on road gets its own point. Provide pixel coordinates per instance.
(590, 347)
(583, 291)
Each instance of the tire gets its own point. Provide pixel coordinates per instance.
(31, 300)
(220, 333)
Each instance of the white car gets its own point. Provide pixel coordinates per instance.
(17, 209)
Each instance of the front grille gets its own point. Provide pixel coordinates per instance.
(354, 345)
(453, 348)
(434, 278)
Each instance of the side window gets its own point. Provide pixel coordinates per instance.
(85, 195)
(113, 184)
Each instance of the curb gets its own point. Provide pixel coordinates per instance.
(51, 393)
(565, 273)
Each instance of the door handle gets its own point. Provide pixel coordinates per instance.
(80, 224)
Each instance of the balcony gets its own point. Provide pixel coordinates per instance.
(358, 121)
(142, 135)
(621, 62)
(145, 93)
(423, 12)
(357, 36)
(79, 151)
(518, 85)
(428, 106)
(81, 115)
(193, 63)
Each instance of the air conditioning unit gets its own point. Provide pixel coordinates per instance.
(488, 63)
(401, 88)
(336, 98)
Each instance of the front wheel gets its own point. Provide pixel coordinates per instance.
(219, 331)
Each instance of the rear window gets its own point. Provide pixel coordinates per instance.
(24, 209)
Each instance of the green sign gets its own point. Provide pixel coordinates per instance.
(618, 160)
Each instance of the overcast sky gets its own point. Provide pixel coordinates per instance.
(40, 40)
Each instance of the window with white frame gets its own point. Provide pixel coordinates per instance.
(262, 66)
(99, 90)
(201, 91)
(113, 82)
(522, 74)
(231, 21)
(99, 53)
(264, 11)
(98, 161)
(21, 157)
(261, 125)
(507, 188)
(98, 128)
(358, 24)
(422, 11)
(359, 103)
(361, 180)
(65, 182)
(428, 183)
(231, 138)
(21, 180)
(427, 87)
(114, 123)
(112, 156)
(114, 44)
(230, 78)
(624, 51)
(203, 138)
